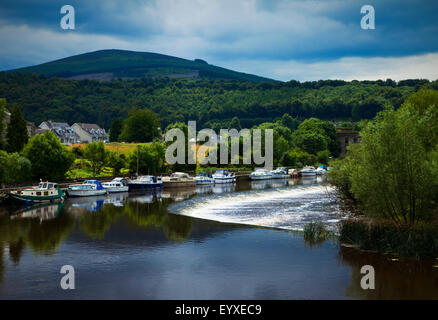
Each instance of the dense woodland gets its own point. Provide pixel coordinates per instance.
(213, 103)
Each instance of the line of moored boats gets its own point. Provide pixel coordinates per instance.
(51, 191)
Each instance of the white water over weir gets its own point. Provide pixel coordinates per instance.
(288, 208)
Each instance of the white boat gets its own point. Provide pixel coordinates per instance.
(308, 172)
(203, 178)
(260, 174)
(178, 179)
(223, 176)
(44, 192)
(280, 173)
(116, 185)
(86, 189)
(320, 171)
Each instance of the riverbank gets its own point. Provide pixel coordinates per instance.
(416, 241)
(129, 246)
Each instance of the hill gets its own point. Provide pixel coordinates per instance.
(213, 103)
(110, 64)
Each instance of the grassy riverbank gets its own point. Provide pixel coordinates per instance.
(419, 241)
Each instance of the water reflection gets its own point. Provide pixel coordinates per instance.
(41, 228)
(394, 278)
(141, 220)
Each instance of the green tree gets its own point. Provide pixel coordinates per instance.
(391, 172)
(289, 122)
(141, 126)
(17, 134)
(116, 161)
(235, 124)
(310, 142)
(304, 137)
(323, 157)
(297, 158)
(14, 168)
(116, 130)
(149, 158)
(96, 154)
(367, 109)
(2, 123)
(49, 158)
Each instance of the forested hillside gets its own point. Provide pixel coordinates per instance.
(212, 102)
(113, 64)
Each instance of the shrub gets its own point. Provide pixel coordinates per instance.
(420, 241)
(14, 168)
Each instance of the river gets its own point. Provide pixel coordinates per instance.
(239, 241)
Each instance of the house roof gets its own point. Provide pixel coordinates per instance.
(89, 126)
(92, 129)
(53, 125)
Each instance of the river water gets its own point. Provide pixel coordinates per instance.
(239, 241)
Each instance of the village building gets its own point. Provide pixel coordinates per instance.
(346, 136)
(90, 132)
(62, 130)
(30, 126)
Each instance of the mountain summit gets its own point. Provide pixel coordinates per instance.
(109, 64)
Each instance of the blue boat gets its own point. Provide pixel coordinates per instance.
(145, 182)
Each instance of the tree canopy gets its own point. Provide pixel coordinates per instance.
(141, 126)
(17, 134)
(49, 158)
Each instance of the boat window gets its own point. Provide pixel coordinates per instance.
(45, 185)
(38, 193)
(50, 186)
(46, 193)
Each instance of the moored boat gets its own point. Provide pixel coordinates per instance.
(116, 185)
(223, 176)
(280, 173)
(293, 173)
(178, 179)
(308, 172)
(44, 192)
(145, 182)
(204, 178)
(86, 189)
(260, 174)
(320, 170)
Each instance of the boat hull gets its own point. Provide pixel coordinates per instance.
(224, 180)
(144, 186)
(117, 189)
(308, 174)
(178, 184)
(34, 199)
(86, 193)
(260, 177)
(280, 176)
(204, 182)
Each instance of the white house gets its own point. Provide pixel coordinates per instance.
(89, 132)
(62, 130)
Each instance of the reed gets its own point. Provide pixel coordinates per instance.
(316, 232)
(418, 241)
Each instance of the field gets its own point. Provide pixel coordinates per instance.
(119, 147)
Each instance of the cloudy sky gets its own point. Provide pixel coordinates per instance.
(279, 39)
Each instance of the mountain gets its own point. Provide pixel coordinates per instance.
(109, 64)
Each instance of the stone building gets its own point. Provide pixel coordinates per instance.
(62, 130)
(346, 137)
(90, 132)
